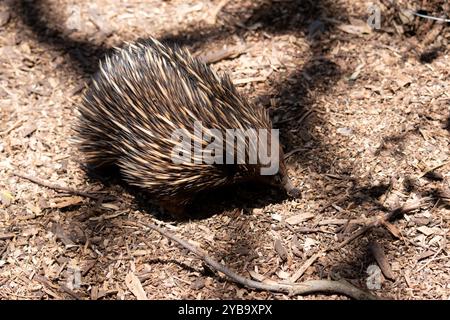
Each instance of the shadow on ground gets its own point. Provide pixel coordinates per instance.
(296, 92)
(298, 18)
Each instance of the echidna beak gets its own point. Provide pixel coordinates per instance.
(294, 193)
(290, 189)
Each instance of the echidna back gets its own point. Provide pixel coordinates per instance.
(143, 93)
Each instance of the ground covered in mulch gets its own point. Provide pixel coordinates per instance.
(365, 124)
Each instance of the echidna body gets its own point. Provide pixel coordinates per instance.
(139, 96)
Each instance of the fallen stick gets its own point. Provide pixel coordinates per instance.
(70, 292)
(381, 221)
(306, 265)
(14, 126)
(429, 170)
(304, 288)
(381, 259)
(56, 187)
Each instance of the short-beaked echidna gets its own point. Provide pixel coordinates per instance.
(140, 95)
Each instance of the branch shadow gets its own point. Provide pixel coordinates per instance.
(35, 15)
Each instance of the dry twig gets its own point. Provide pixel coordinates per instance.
(56, 187)
(306, 265)
(307, 287)
(381, 259)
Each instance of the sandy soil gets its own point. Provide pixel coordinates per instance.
(364, 118)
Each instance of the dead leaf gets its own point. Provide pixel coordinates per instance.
(29, 129)
(299, 218)
(381, 259)
(333, 221)
(221, 54)
(207, 233)
(392, 229)
(135, 286)
(140, 253)
(270, 281)
(282, 274)
(308, 244)
(402, 80)
(345, 131)
(4, 18)
(281, 250)
(30, 232)
(198, 284)
(277, 217)
(87, 266)
(426, 230)
(94, 293)
(257, 211)
(65, 202)
(426, 254)
(305, 266)
(357, 27)
(406, 16)
(248, 80)
(53, 82)
(357, 72)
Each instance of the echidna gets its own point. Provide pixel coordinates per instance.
(144, 92)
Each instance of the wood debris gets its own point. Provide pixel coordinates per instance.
(135, 286)
(363, 116)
